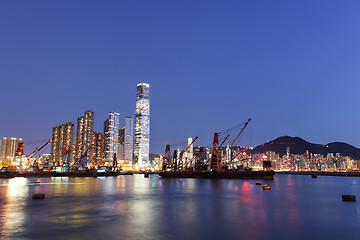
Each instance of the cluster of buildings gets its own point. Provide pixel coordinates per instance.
(307, 161)
(242, 157)
(120, 143)
(11, 151)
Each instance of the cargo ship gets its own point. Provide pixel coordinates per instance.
(245, 174)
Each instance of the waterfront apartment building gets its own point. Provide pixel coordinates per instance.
(99, 154)
(111, 136)
(8, 149)
(84, 133)
(142, 124)
(62, 141)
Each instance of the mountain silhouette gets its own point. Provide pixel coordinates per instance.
(299, 146)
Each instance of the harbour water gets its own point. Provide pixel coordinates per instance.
(134, 207)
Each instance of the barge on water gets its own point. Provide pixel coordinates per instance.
(215, 167)
(246, 174)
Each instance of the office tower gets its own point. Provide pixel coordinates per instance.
(84, 133)
(129, 140)
(111, 136)
(8, 149)
(142, 124)
(62, 141)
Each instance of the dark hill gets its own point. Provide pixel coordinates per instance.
(299, 146)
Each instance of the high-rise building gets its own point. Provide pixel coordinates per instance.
(99, 153)
(190, 151)
(62, 141)
(8, 149)
(129, 139)
(142, 124)
(111, 136)
(84, 133)
(3, 150)
(121, 146)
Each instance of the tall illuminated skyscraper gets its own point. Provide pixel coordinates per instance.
(111, 136)
(142, 124)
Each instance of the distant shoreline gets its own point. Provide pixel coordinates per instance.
(343, 174)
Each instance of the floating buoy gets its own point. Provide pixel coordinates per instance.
(258, 183)
(146, 175)
(349, 198)
(314, 175)
(38, 196)
(266, 187)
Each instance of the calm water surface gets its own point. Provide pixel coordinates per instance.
(134, 207)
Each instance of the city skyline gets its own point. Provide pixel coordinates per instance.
(179, 119)
(291, 67)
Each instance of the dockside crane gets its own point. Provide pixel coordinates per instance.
(182, 153)
(224, 140)
(83, 161)
(37, 150)
(215, 156)
(242, 129)
(245, 124)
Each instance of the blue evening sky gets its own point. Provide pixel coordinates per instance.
(292, 66)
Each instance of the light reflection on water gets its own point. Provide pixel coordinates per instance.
(13, 215)
(134, 207)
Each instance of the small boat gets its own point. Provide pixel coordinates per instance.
(146, 175)
(266, 187)
(38, 196)
(314, 175)
(258, 183)
(348, 198)
(37, 182)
